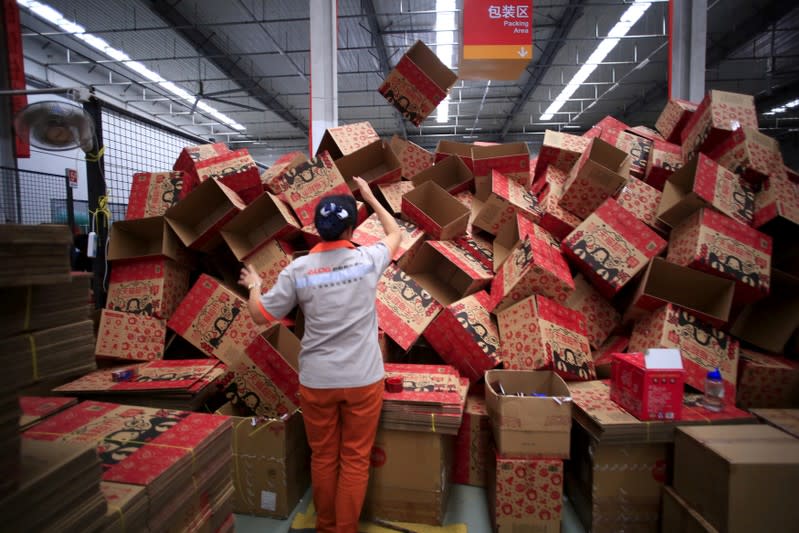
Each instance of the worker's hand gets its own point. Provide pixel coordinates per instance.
(366, 191)
(249, 277)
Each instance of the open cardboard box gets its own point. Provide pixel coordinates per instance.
(344, 140)
(529, 425)
(674, 118)
(309, 182)
(502, 200)
(559, 150)
(436, 211)
(509, 236)
(371, 231)
(268, 260)
(393, 192)
(450, 173)
(719, 114)
(412, 157)
(143, 237)
(599, 174)
(264, 219)
(153, 286)
(770, 322)
(375, 163)
(512, 160)
(754, 156)
(665, 159)
(152, 193)
(601, 317)
(236, 170)
(444, 149)
(444, 273)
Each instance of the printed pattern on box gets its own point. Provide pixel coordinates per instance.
(528, 494)
(674, 118)
(646, 393)
(637, 147)
(473, 444)
(515, 168)
(601, 318)
(350, 138)
(412, 157)
(404, 308)
(556, 220)
(370, 231)
(272, 178)
(560, 151)
(719, 114)
(269, 260)
(507, 198)
(479, 247)
(641, 200)
(767, 381)
(779, 198)
(307, 183)
(191, 155)
(480, 275)
(703, 347)
(237, 170)
(590, 183)
(724, 190)
(665, 159)
(152, 287)
(152, 193)
(393, 192)
(130, 336)
(750, 154)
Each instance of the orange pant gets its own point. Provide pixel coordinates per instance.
(341, 425)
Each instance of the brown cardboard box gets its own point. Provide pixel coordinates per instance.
(601, 318)
(264, 219)
(502, 201)
(556, 220)
(755, 157)
(445, 149)
(770, 322)
(435, 211)
(559, 150)
(714, 243)
(530, 426)
(147, 286)
(309, 182)
(450, 173)
(271, 463)
(376, 163)
(679, 517)
(272, 178)
(144, 238)
(198, 218)
(525, 494)
(130, 336)
(409, 479)
(269, 260)
(412, 157)
(618, 134)
(418, 83)
(393, 193)
(236, 170)
(736, 476)
(663, 161)
(784, 419)
(347, 139)
(641, 200)
(703, 347)
(479, 247)
(719, 114)
(191, 155)
(370, 231)
(674, 118)
(603, 356)
(537, 334)
(152, 193)
(704, 295)
(599, 174)
(511, 160)
(777, 203)
(473, 444)
(700, 183)
(611, 247)
(508, 238)
(767, 381)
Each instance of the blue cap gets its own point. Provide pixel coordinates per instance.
(714, 374)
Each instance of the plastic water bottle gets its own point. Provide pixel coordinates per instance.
(714, 391)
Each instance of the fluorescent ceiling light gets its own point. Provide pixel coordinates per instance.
(628, 19)
(50, 15)
(783, 108)
(445, 33)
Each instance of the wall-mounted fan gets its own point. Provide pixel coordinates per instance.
(56, 125)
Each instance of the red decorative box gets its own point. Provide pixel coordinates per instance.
(647, 393)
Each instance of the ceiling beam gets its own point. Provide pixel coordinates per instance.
(539, 69)
(223, 61)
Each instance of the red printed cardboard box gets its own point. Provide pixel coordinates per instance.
(601, 318)
(559, 150)
(473, 444)
(435, 211)
(599, 174)
(465, 336)
(752, 155)
(778, 200)
(603, 356)
(418, 83)
(674, 118)
(130, 336)
(269, 260)
(556, 220)
(214, 319)
(309, 182)
(611, 246)
(702, 182)
(404, 308)
(477, 276)
(451, 173)
(538, 333)
(703, 347)
(413, 158)
(649, 386)
(347, 139)
(714, 243)
(265, 219)
(152, 287)
(639, 148)
(272, 178)
(511, 235)
(719, 114)
(767, 381)
(152, 193)
(370, 231)
(393, 193)
(525, 494)
(191, 155)
(376, 163)
(502, 202)
(534, 266)
(665, 159)
(236, 170)
(479, 247)
(641, 200)
(444, 149)
(512, 160)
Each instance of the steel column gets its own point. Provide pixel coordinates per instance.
(324, 71)
(688, 46)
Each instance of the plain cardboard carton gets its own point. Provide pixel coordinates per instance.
(370, 231)
(674, 118)
(236, 170)
(265, 219)
(473, 444)
(152, 193)
(309, 182)
(785, 419)
(435, 211)
(525, 494)
(198, 218)
(770, 322)
(714, 243)
(719, 114)
(601, 318)
(152, 287)
(559, 150)
(755, 157)
(737, 477)
(767, 381)
(130, 336)
(444, 149)
(532, 426)
(272, 461)
(704, 295)
(701, 183)
(502, 201)
(418, 83)
(598, 175)
(664, 160)
(450, 173)
(537, 334)
(347, 139)
(512, 160)
(679, 517)
(375, 163)
(413, 158)
(641, 200)
(649, 386)
(272, 178)
(611, 247)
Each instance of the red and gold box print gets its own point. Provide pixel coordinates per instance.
(601, 318)
(512, 160)
(130, 336)
(674, 118)
(473, 444)
(611, 246)
(665, 159)
(152, 287)
(404, 308)
(714, 243)
(559, 150)
(750, 154)
(525, 494)
(237, 170)
(703, 347)
(152, 193)
(413, 157)
(538, 333)
(344, 140)
(767, 381)
(641, 200)
(600, 173)
(269, 260)
(370, 231)
(554, 218)
(272, 178)
(478, 274)
(191, 155)
(778, 199)
(393, 193)
(506, 199)
(309, 182)
(637, 147)
(716, 118)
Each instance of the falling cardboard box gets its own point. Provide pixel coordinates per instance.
(418, 83)
(599, 174)
(152, 193)
(191, 155)
(376, 163)
(511, 160)
(704, 183)
(265, 219)
(503, 200)
(435, 211)
(714, 243)
(412, 157)
(152, 287)
(450, 173)
(309, 182)
(767, 381)
(537, 424)
(473, 444)
(444, 149)
(755, 157)
(703, 347)
(649, 386)
(130, 336)
(611, 246)
(716, 118)
(538, 333)
(347, 139)
(601, 318)
(674, 118)
(237, 170)
(559, 150)
(665, 159)
(371, 231)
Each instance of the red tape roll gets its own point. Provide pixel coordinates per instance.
(394, 384)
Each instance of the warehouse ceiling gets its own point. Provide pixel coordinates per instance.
(249, 61)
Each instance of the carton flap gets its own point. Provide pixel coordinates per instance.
(662, 358)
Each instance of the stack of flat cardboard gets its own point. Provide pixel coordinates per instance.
(37, 408)
(33, 255)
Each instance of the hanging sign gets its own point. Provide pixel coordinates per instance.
(72, 177)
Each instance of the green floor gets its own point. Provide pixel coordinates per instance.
(466, 505)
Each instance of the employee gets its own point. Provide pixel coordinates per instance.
(341, 367)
